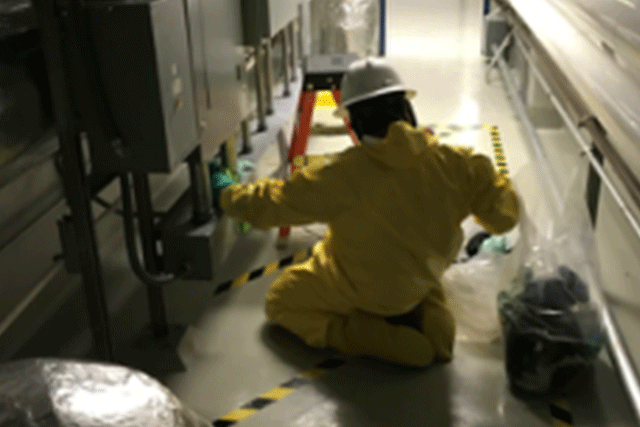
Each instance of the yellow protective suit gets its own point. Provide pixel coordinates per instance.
(394, 211)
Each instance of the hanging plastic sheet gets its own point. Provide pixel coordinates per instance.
(56, 393)
(345, 26)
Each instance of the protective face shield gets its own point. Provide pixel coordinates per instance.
(367, 79)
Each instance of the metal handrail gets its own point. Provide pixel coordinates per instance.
(575, 131)
(554, 193)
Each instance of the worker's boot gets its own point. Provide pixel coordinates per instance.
(438, 325)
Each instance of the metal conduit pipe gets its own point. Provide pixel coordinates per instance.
(544, 170)
(130, 239)
(616, 347)
(268, 75)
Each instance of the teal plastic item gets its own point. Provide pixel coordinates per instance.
(220, 179)
(495, 244)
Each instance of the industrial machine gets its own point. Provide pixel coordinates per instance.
(143, 94)
(139, 107)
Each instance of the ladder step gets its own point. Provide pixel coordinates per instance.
(328, 130)
(313, 159)
(324, 99)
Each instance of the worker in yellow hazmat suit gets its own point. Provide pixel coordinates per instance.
(394, 205)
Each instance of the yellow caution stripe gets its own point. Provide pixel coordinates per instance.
(278, 393)
(264, 271)
(498, 151)
(561, 413)
(496, 142)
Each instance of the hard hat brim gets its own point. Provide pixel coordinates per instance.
(343, 112)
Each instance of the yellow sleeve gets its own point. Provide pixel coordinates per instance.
(494, 202)
(312, 194)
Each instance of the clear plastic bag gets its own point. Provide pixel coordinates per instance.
(471, 288)
(550, 321)
(471, 285)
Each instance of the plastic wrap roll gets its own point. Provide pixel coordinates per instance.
(52, 393)
(345, 26)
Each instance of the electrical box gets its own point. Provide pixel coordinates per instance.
(143, 55)
(187, 246)
(265, 18)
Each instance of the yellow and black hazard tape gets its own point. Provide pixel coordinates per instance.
(278, 393)
(561, 413)
(263, 271)
(496, 142)
(498, 151)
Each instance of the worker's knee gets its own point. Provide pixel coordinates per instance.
(276, 296)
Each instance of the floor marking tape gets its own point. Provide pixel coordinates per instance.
(496, 142)
(245, 278)
(278, 393)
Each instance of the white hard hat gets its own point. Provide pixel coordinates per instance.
(366, 79)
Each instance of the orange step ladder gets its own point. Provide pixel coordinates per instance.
(313, 84)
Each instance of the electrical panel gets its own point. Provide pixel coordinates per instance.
(143, 54)
(215, 36)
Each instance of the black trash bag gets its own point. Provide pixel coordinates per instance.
(559, 292)
(551, 332)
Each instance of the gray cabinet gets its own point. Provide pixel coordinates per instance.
(142, 52)
(215, 34)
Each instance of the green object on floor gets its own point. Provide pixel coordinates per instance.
(244, 227)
